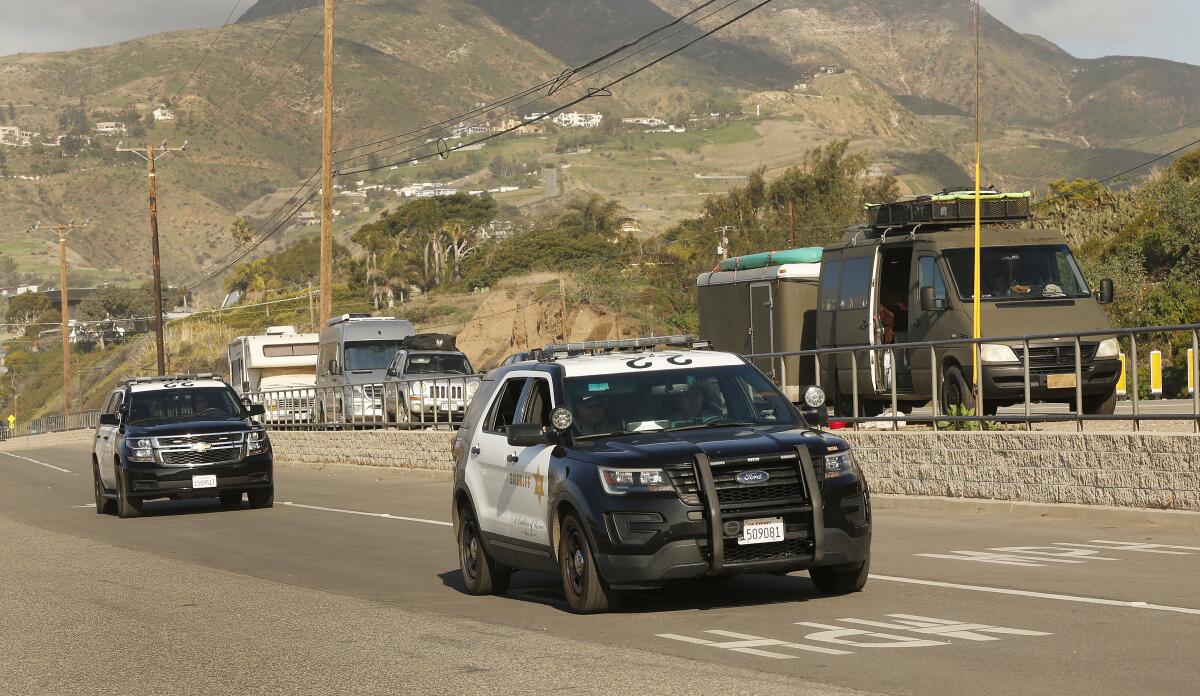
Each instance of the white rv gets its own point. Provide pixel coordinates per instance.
(281, 362)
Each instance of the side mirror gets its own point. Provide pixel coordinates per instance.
(257, 410)
(931, 302)
(109, 419)
(332, 367)
(1106, 292)
(391, 372)
(528, 435)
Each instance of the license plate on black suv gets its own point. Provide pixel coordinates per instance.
(763, 530)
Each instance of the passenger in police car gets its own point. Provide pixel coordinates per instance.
(591, 416)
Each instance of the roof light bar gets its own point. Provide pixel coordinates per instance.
(624, 344)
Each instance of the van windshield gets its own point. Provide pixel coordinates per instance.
(1034, 272)
(370, 355)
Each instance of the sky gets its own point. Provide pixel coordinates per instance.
(1085, 28)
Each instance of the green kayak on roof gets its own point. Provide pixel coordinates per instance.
(772, 258)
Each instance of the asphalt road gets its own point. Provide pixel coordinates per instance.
(350, 585)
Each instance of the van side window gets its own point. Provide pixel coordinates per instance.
(537, 404)
(831, 278)
(856, 283)
(504, 411)
(928, 275)
(328, 352)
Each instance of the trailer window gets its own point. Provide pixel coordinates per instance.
(284, 350)
(831, 277)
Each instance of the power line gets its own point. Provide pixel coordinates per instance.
(1124, 147)
(591, 93)
(1119, 174)
(604, 90)
(207, 51)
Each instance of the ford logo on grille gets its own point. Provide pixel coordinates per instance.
(749, 477)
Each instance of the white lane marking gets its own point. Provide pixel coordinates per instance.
(382, 515)
(48, 466)
(1039, 595)
(89, 505)
(750, 644)
(946, 628)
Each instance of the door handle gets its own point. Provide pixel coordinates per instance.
(863, 326)
(512, 459)
(475, 450)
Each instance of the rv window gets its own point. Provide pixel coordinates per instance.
(288, 349)
(930, 276)
(831, 277)
(856, 283)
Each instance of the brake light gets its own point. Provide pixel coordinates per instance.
(837, 425)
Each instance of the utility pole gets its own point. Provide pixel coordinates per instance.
(327, 175)
(63, 232)
(150, 156)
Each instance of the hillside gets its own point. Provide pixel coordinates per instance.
(251, 112)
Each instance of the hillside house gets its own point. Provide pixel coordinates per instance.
(162, 113)
(14, 136)
(578, 119)
(110, 128)
(648, 121)
(520, 127)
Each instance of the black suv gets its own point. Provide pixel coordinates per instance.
(628, 469)
(178, 437)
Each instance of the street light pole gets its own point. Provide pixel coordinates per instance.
(326, 274)
(152, 153)
(63, 232)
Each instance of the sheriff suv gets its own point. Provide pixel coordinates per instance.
(179, 436)
(618, 465)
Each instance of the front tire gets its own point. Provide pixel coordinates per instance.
(957, 392)
(104, 506)
(841, 579)
(1101, 405)
(127, 505)
(261, 497)
(480, 573)
(586, 591)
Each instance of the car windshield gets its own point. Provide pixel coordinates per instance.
(1018, 272)
(183, 404)
(675, 399)
(437, 364)
(370, 355)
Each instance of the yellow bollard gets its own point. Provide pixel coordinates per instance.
(1121, 380)
(1191, 371)
(1156, 373)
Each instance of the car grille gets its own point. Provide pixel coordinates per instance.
(785, 485)
(294, 403)
(189, 440)
(193, 458)
(439, 391)
(1044, 358)
(373, 391)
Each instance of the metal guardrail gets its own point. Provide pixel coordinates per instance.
(407, 403)
(80, 420)
(940, 351)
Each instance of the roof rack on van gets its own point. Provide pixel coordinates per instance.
(947, 208)
(347, 317)
(623, 344)
(169, 378)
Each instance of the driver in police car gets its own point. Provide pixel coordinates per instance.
(692, 407)
(591, 416)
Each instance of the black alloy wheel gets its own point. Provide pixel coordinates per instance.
(841, 579)
(481, 575)
(586, 591)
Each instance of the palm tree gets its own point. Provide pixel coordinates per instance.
(594, 215)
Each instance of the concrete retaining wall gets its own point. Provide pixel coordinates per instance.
(417, 449)
(1160, 471)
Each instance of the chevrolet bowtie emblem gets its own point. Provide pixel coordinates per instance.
(201, 447)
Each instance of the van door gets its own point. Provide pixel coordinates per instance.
(854, 322)
(926, 325)
(762, 330)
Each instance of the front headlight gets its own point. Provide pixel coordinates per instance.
(256, 441)
(141, 454)
(141, 443)
(840, 464)
(996, 353)
(472, 388)
(814, 397)
(1108, 348)
(358, 390)
(622, 481)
